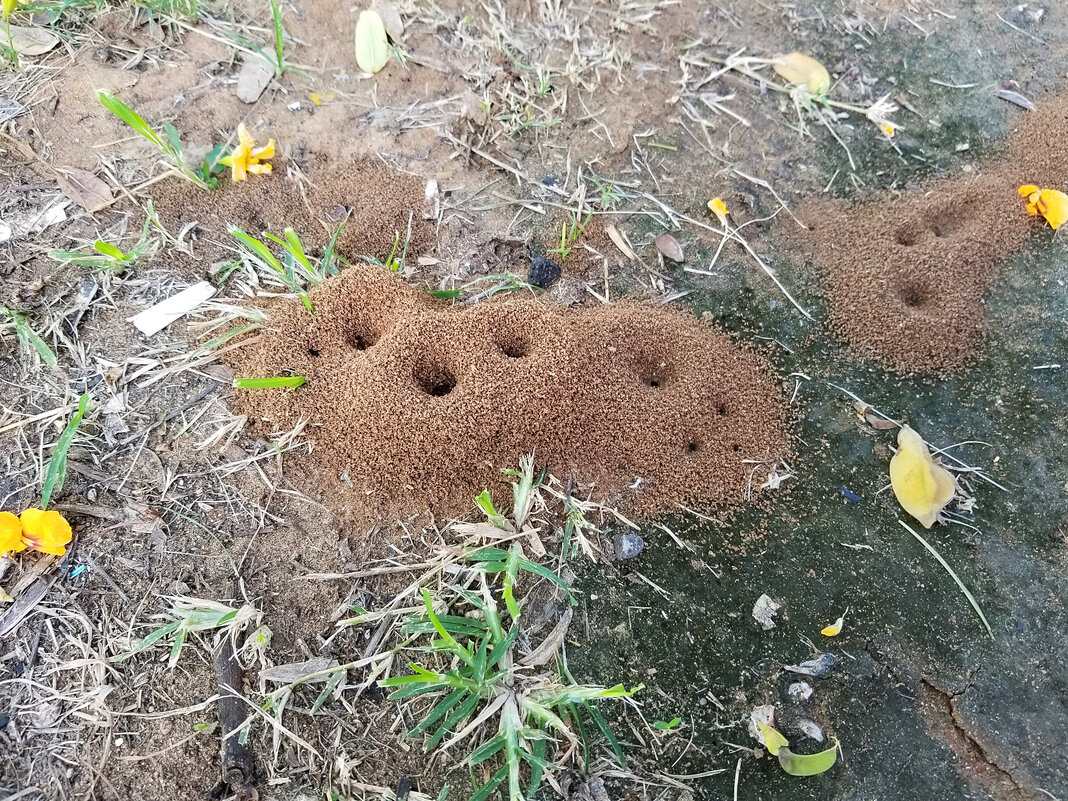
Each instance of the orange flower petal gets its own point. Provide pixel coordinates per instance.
(46, 532)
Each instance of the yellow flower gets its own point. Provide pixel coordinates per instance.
(719, 208)
(46, 532)
(9, 6)
(922, 486)
(1050, 203)
(246, 157)
(10, 534)
(888, 128)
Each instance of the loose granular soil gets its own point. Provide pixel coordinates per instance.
(417, 405)
(906, 275)
(376, 201)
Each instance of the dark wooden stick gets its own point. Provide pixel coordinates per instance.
(238, 767)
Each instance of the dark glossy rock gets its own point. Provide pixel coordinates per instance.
(543, 272)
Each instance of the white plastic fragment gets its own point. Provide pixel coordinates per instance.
(155, 319)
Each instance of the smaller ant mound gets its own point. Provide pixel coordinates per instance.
(906, 277)
(418, 404)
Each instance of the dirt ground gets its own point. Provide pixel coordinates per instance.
(492, 126)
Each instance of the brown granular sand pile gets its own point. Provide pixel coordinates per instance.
(418, 404)
(906, 275)
(380, 200)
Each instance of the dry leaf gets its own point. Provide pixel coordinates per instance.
(804, 71)
(880, 423)
(670, 247)
(84, 188)
(30, 41)
(620, 242)
(372, 47)
(922, 486)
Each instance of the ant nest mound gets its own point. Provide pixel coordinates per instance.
(417, 404)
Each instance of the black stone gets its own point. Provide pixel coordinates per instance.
(543, 272)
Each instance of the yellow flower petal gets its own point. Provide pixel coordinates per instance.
(834, 629)
(10, 534)
(922, 486)
(246, 156)
(9, 6)
(265, 152)
(244, 136)
(1054, 207)
(887, 128)
(46, 532)
(1027, 190)
(719, 208)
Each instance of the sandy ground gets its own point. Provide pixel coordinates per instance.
(492, 126)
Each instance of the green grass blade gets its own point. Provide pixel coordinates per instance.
(296, 249)
(606, 730)
(28, 338)
(955, 577)
(131, 118)
(486, 751)
(107, 249)
(462, 711)
(57, 465)
(179, 643)
(264, 254)
(331, 685)
(150, 640)
(289, 381)
(279, 34)
(443, 706)
(486, 790)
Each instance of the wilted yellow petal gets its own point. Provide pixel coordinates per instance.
(773, 740)
(804, 71)
(834, 629)
(372, 46)
(922, 486)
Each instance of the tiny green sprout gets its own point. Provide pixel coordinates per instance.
(497, 519)
(279, 382)
(667, 725)
(569, 235)
(202, 726)
(29, 340)
(109, 257)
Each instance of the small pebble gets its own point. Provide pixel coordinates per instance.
(628, 546)
(543, 272)
(799, 691)
(811, 729)
(294, 106)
